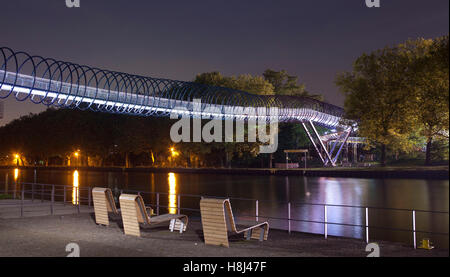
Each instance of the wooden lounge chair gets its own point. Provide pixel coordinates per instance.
(134, 212)
(214, 223)
(103, 205)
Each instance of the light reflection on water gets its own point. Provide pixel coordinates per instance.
(336, 194)
(172, 193)
(75, 190)
(16, 184)
(16, 174)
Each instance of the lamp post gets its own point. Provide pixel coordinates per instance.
(17, 159)
(77, 154)
(174, 154)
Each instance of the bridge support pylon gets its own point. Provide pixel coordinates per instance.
(326, 156)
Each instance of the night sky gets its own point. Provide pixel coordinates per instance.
(178, 39)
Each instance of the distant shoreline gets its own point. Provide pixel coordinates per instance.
(389, 172)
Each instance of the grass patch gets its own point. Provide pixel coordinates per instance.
(5, 196)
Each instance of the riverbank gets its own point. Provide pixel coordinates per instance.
(48, 236)
(391, 172)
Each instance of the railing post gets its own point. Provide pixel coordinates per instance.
(306, 153)
(257, 210)
(326, 221)
(6, 184)
(179, 204)
(15, 189)
(77, 202)
(53, 199)
(157, 203)
(367, 225)
(21, 203)
(414, 228)
(35, 176)
(32, 192)
(289, 217)
(64, 200)
(89, 196)
(42, 193)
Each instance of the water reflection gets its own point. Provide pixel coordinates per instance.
(339, 192)
(305, 185)
(16, 174)
(152, 182)
(16, 183)
(172, 193)
(75, 190)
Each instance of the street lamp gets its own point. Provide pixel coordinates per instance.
(77, 154)
(174, 152)
(17, 157)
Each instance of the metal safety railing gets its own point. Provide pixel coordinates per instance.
(36, 194)
(50, 195)
(289, 219)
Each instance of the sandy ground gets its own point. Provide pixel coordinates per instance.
(48, 236)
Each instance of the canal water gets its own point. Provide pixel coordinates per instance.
(273, 194)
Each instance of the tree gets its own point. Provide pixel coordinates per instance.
(285, 84)
(214, 78)
(244, 82)
(377, 99)
(399, 95)
(429, 82)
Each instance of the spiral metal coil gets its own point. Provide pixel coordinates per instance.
(69, 85)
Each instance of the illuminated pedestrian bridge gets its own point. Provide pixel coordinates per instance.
(68, 85)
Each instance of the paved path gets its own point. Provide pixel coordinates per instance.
(49, 235)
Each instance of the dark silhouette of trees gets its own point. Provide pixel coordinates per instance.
(62, 132)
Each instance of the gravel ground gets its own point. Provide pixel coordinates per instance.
(47, 236)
